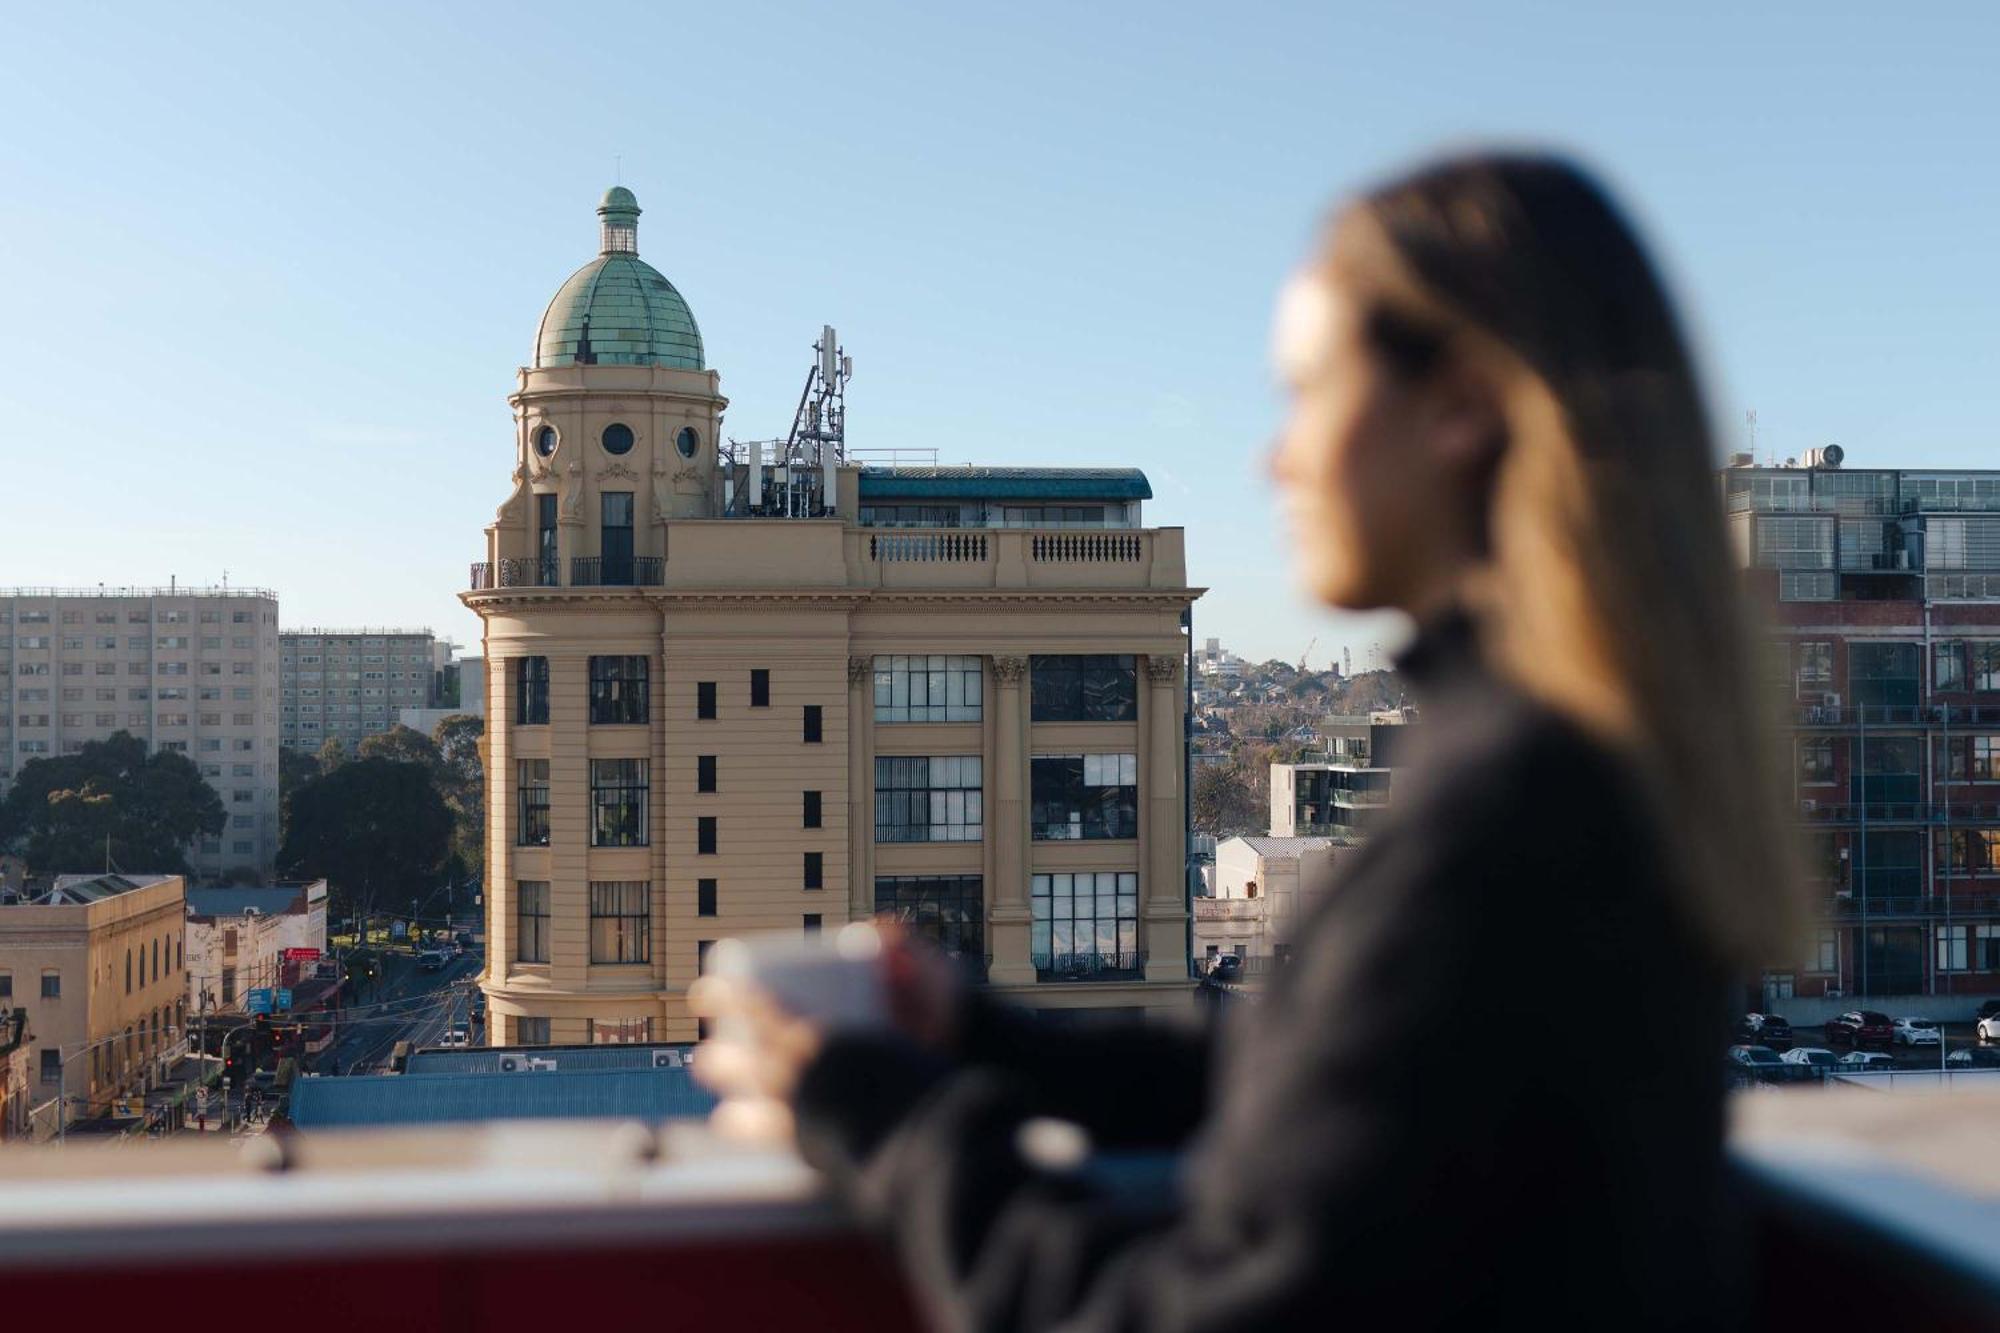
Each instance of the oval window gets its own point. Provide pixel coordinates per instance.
(687, 442)
(545, 441)
(617, 438)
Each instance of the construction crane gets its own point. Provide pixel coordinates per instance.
(1307, 653)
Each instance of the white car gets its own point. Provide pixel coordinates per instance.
(1868, 1059)
(1810, 1055)
(1916, 1032)
(1989, 1028)
(456, 1037)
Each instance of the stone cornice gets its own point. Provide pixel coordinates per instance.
(997, 599)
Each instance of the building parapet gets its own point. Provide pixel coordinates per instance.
(100, 590)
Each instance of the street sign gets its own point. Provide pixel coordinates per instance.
(201, 1100)
(257, 1000)
(284, 998)
(302, 955)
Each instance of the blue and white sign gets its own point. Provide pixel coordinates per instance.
(257, 1000)
(284, 996)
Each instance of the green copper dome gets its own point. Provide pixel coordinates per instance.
(618, 310)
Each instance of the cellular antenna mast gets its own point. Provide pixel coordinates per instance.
(798, 476)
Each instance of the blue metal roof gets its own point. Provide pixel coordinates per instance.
(1004, 483)
(443, 1099)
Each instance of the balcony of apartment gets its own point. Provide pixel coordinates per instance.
(585, 571)
(1909, 907)
(1129, 965)
(1813, 811)
(1866, 1209)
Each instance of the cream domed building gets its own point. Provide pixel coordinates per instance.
(740, 688)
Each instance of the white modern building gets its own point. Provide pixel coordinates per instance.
(192, 670)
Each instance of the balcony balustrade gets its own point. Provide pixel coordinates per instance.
(632, 571)
(1090, 966)
(1969, 813)
(1914, 907)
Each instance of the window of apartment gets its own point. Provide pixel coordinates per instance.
(615, 536)
(533, 785)
(1985, 755)
(619, 1031)
(760, 688)
(812, 724)
(704, 835)
(1952, 944)
(620, 922)
(531, 1031)
(927, 688)
(945, 909)
(812, 810)
(1084, 921)
(704, 772)
(51, 1064)
(618, 802)
(929, 799)
(704, 897)
(531, 691)
(701, 948)
(52, 981)
(815, 870)
(1885, 674)
(811, 923)
(1816, 762)
(6, 986)
(617, 690)
(1084, 796)
(531, 921)
(1983, 664)
(1815, 666)
(1986, 947)
(1948, 665)
(704, 700)
(1085, 688)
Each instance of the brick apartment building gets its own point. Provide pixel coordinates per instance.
(1883, 587)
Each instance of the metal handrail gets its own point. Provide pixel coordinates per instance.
(1088, 966)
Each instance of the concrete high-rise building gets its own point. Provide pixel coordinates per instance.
(349, 684)
(1883, 590)
(188, 669)
(738, 688)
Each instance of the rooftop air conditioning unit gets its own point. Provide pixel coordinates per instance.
(666, 1059)
(539, 1062)
(512, 1064)
(1808, 806)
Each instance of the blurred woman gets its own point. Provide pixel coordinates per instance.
(1488, 1086)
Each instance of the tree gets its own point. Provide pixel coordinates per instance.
(110, 799)
(1226, 800)
(460, 740)
(376, 829)
(400, 742)
(331, 755)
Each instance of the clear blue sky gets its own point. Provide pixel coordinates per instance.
(266, 274)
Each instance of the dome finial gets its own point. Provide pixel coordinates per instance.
(618, 220)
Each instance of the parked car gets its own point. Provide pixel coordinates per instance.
(1989, 1028)
(1754, 1057)
(1868, 1059)
(1818, 1056)
(1917, 1032)
(1773, 1030)
(1227, 967)
(1860, 1029)
(433, 960)
(1974, 1057)
(1990, 1009)
(456, 1036)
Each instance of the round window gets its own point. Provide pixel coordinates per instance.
(545, 441)
(617, 438)
(687, 442)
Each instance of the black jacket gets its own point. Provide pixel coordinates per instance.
(1485, 1093)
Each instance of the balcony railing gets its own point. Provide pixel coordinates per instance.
(634, 571)
(1915, 907)
(1090, 966)
(1898, 812)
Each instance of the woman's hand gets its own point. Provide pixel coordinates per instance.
(758, 1050)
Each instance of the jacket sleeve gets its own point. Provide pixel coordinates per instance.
(1315, 1185)
(1130, 1084)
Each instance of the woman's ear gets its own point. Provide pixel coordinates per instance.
(1467, 429)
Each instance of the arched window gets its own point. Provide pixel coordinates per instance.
(128, 971)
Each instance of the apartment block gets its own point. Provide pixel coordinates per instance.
(767, 687)
(193, 670)
(1882, 588)
(348, 684)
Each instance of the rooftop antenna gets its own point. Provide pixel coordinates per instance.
(1750, 420)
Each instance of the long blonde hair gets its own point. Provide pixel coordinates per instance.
(1609, 593)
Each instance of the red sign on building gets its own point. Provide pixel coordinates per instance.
(301, 955)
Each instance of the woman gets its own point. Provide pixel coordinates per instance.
(1488, 1087)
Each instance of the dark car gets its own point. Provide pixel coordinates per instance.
(1227, 968)
(1771, 1030)
(1861, 1029)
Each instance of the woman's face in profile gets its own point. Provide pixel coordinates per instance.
(1349, 461)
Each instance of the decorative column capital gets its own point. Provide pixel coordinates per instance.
(1009, 670)
(1162, 670)
(859, 669)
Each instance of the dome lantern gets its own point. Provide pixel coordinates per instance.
(619, 222)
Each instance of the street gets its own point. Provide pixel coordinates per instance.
(409, 1005)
